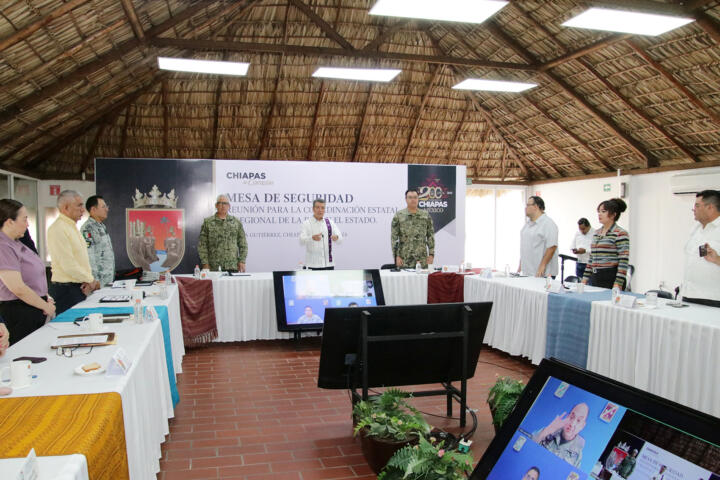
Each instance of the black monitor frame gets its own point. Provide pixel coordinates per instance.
(403, 345)
(680, 417)
(279, 289)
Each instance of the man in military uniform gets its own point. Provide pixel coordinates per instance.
(627, 466)
(562, 437)
(94, 231)
(412, 235)
(222, 240)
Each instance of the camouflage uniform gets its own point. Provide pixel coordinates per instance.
(100, 251)
(570, 451)
(222, 243)
(412, 237)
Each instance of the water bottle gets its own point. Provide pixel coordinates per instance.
(138, 310)
(418, 267)
(615, 295)
(196, 273)
(168, 279)
(507, 270)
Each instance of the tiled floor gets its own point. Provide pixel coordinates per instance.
(253, 411)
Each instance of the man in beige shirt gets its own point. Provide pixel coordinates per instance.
(72, 278)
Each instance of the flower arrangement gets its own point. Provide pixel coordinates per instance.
(428, 460)
(502, 399)
(389, 416)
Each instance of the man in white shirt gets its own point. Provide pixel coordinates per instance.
(581, 246)
(319, 235)
(702, 264)
(538, 241)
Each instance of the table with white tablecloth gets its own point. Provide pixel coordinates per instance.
(671, 352)
(144, 390)
(57, 467)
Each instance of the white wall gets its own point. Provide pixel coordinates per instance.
(46, 200)
(659, 222)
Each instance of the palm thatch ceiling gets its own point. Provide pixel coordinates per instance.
(80, 80)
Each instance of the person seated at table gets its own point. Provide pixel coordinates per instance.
(4, 337)
(562, 435)
(610, 249)
(24, 301)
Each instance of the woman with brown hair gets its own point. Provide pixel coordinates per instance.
(610, 249)
(24, 301)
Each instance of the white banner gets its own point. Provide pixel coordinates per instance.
(273, 198)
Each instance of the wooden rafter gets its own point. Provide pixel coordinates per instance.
(273, 99)
(599, 45)
(672, 80)
(502, 165)
(80, 74)
(587, 107)
(132, 17)
(456, 135)
(386, 34)
(311, 144)
(359, 136)
(531, 163)
(42, 153)
(123, 138)
(216, 118)
(249, 47)
(668, 136)
(710, 26)
(91, 151)
(28, 30)
(322, 24)
(483, 146)
(166, 117)
(421, 109)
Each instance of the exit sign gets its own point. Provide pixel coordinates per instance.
(606, 187)
(54, 189)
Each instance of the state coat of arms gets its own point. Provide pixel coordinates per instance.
(155, 231)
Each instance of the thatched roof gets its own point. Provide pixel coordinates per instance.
(80, 79)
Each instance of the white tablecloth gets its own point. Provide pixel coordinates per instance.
(671, 352)
(145, 392)
(518, 321)
(172, 302)
(60, 467)
(404, 288)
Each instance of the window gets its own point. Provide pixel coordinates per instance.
(493, 220)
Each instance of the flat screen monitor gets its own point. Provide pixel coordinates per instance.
(302, 296)
(402, 361)
(571, 424)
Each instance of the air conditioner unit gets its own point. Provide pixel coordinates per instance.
(696, 181)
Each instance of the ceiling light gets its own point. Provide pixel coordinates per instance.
(467, 11)
(203, 66)
(626, 22)
(368, 74)
(493, 85)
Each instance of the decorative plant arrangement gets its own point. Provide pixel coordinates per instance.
(428, 460)
(502, 399)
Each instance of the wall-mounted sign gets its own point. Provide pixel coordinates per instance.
(54, 189)
(606, 187)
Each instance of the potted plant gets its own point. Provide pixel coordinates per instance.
(386, 423)
(502, 399)
(427, 461)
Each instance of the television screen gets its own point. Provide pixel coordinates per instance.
(302, 296)
(574, 425)
(400, 361)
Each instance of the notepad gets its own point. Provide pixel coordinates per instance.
(85, 340)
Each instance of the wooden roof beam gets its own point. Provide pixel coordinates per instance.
(41, 154)
(359, 137)
(123, 138)
(456, 136)
(250, 47)
(28, 30)
(132, 17)
(311, 144)
(641, 114)
(590, 109)
(672, 80)
(710, 26)
(435, 75)
(483, 146)
(166, 116)
(322, 24)
(80, 73)
(386, 35)
(91, 151)
(594, 47)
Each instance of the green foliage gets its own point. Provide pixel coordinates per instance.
(390, 417)
(427, 461)
(502, 398)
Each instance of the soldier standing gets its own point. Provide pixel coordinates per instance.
(222, 240)
(94, 231)
(412, 235)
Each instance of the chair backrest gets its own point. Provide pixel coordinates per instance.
(661, 294)
(630, 273)
(572, 279)
(387, 266)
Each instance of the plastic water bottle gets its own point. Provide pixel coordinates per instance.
(168, 278)
(615, 295)
(507, 270)
(138, 311)
(196, 273)
(418, 267)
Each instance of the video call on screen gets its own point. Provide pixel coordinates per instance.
(571, 434)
